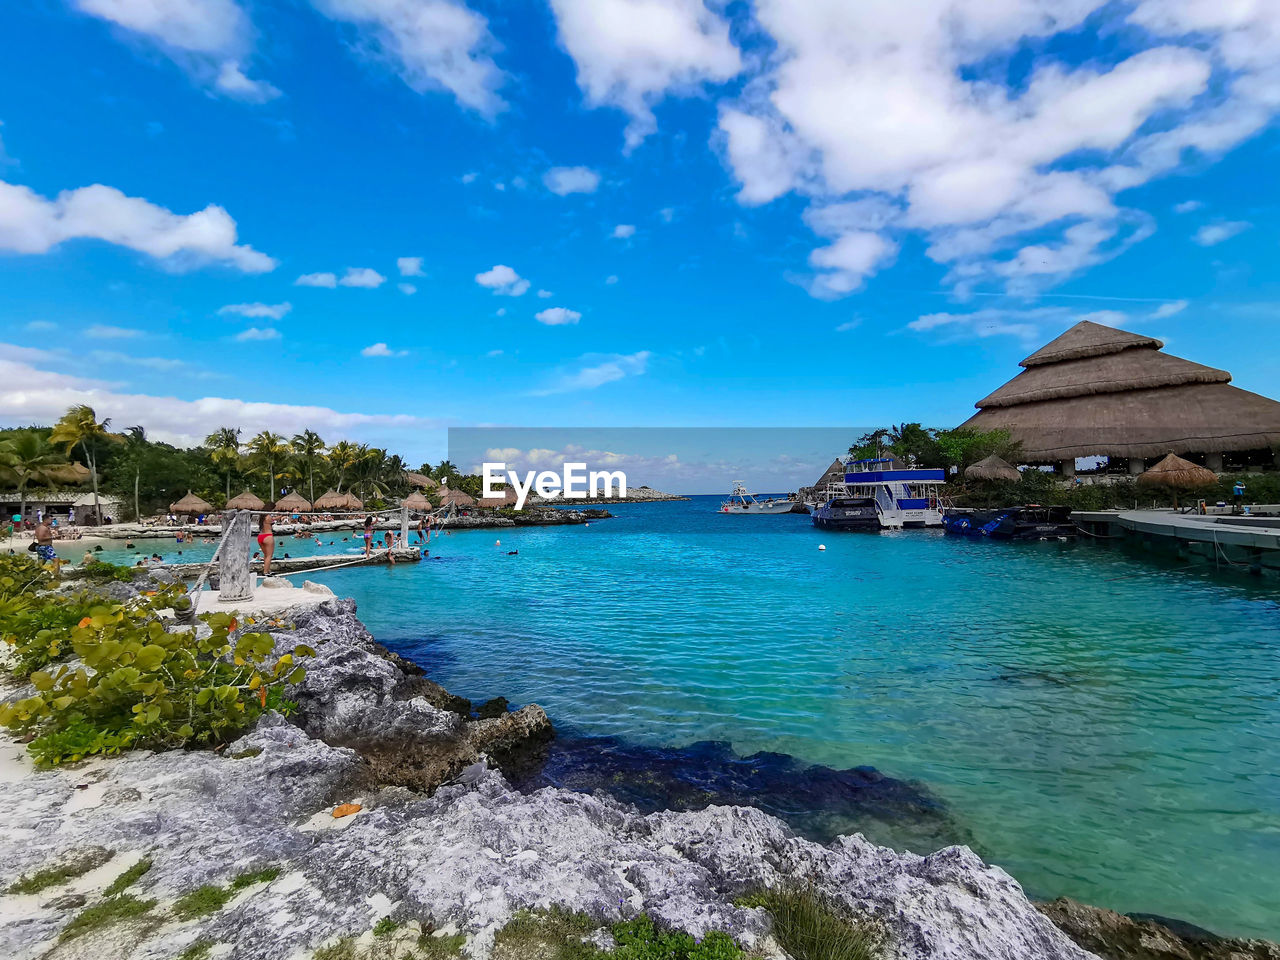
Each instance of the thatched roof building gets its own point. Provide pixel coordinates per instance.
(416, 501)
(331, 500)
(420, 480)
(505, 499)
(1099, 391)
(992, 468)
(246, 501)
(191, 504)
(449, 497)
(293, 503)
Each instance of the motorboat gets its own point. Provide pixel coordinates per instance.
(742, 503)
(1031, 522)
(848, 513)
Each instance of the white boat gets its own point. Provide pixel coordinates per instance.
(901, 496)
(741, 502)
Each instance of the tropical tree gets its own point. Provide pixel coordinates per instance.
(309, 448)
(135, 439)
(79, 427)
(443, 470)
(343, 456)
(26, 456)
(224, 450)
(371, 469)
(268, 450)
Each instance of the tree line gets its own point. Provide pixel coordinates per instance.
(147, 475)
(934, 447)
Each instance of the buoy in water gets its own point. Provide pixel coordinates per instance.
(822, 546)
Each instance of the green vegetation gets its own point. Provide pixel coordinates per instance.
(385, 927)
(250, 877)
(104, 914)
(128, 878)
(197, 951)
(558, 935)
(344, 949)
(201, 901)
(100, 572)
(148, 687)
(75, 865)
(440, 948)
(932, 447)
(809, 927)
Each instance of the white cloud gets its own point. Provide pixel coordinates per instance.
(1187, 206)
(631, 54)
(365, 277)
(431, 44)
(41, 326)
(103, 331)
(1032, 326)
(845, 264)
(30, 223)
(545, 294)
(382, 350)
(494, 353)
(974, 165)
(623, 231)
(595, 370)
(500, 312)
(409, 266)
(408, 289)
(557, 316)
(501, 279)
(233, 82)
(469, 177)
(151, 363)
(1168, 309)
(1214, 233)
(208, 38)
(667, 214)
(256, 333)
(611, 279)
(566, 180)
(34, 389)
(271, 311)
(848, 325)
(329, 280)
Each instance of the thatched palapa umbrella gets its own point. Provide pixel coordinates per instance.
(416, 501)
(1175, 473)
(351, 502)
(454, 498)
(331, 500)
(245, 501)
(992, 468)
(293, 503)
(191, 504)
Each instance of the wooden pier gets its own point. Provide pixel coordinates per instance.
(1249, 544)
(318, 564)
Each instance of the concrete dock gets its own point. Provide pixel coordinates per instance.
(1246, 543)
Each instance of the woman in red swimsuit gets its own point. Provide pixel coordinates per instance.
(267, 541)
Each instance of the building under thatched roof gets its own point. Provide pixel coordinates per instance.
(191, 504)
(420, 480)
(1099, 391)
(505, 499)
(293, 503)
(416, 501)
(992, 468)
(449, 497)
(331, 500)
(246, 501)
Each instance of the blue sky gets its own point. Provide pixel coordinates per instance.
(808, 213)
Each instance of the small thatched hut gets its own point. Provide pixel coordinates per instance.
(351, 502)
(245, 501)
(416, 501)
(992, 468)
(506, 499)
(292, 503)
(1099, 391)
(452, 498)
(331, 500)
(420, 480)
(191, 504)
(1178, 474)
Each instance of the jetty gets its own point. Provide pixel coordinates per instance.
(284, 567)
(1245, 542)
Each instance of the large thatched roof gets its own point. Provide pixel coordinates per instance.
(1098, 391)
(245, 501)
(191, 504)
(420, 480)
(293, 503)
(450, 496)
(416, 501)
(331, 500)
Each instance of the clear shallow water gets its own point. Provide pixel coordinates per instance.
(1102, 726)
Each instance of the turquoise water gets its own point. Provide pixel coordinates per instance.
(1102, 725)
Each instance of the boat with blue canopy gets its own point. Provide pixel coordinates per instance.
(902, 496)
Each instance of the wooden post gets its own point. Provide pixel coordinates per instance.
(235, 578)
(404, 526)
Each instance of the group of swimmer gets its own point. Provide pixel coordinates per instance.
(267, 539)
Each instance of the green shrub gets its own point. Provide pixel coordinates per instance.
(198, 950)
(641, 939)
(100, 571)
(148, 687)
(201, 901)
(809, 927)
(250, 877)
(128, 878)
(75, 865)
(104, 914)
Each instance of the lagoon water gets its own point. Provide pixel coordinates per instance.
(1103, 725)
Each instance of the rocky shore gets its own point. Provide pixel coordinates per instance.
(385, 796)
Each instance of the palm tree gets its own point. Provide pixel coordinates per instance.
(269, 449)
(443, 469)
(308, 446)
(79, 427)
(344, 455)
(372, 468)
(27, 455)
(224, 446)
(136, 440)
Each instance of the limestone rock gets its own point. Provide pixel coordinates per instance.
(1115, 936)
